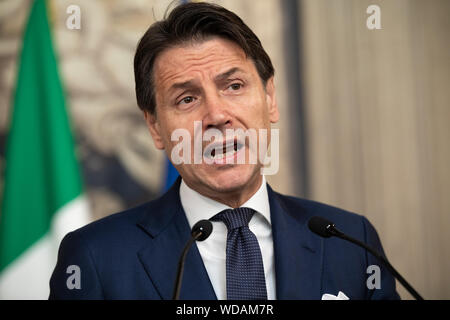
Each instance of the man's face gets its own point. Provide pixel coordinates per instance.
(212, 82)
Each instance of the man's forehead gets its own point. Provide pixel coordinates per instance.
(213, 56)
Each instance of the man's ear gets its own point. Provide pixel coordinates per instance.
(271, 100)
(154, 128)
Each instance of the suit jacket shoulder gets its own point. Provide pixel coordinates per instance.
(343, 266)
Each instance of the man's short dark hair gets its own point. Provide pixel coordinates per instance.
(193, 22)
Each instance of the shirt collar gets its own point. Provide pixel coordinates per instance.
(198, 207)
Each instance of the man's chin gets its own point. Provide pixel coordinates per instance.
(232, 180)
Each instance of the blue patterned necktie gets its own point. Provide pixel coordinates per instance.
(245, 270)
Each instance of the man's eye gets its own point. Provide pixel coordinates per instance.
(235, 86)
(186, 100)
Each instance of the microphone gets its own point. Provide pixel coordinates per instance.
(327, 229)
(200, 231)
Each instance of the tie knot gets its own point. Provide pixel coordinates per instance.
(234, 218)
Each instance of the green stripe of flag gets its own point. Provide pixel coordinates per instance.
(42, 173)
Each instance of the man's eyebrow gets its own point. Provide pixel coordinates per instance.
(190, 83)
(226, 74)
(182, 85)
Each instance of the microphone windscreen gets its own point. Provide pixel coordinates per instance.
(320, 226)
(205, 227)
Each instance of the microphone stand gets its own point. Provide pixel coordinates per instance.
(200, 232)
(176, 293)
(335, 232)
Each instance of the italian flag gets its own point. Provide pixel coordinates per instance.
(42, 195)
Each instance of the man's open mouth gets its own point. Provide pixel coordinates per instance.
(222, 150)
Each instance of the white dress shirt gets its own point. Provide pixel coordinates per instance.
(213, 249)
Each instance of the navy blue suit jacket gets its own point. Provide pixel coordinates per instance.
(134, 254)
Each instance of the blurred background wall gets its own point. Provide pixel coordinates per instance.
(378, 107)
(363, 112)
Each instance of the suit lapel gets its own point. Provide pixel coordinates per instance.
(298, 255)
(169, 231)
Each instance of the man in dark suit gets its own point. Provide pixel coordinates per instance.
(203, 68)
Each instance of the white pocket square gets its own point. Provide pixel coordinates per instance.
(340, 296)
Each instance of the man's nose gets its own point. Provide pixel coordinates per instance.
(216, 113)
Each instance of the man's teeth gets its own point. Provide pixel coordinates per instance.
(228, 151)
(220, 156)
